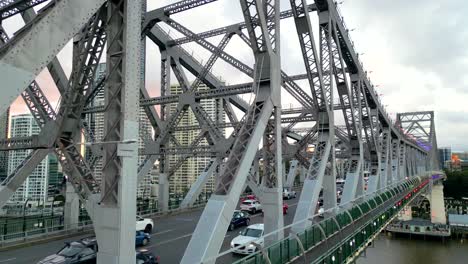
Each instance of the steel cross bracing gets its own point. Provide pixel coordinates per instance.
(232, 178)
(9, 8)
(44, 115)
(369, 137)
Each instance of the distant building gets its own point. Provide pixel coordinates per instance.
(55, 175)
(35, 188)
(445, 154)
(96, 125)
(188, 172)
(4, 154)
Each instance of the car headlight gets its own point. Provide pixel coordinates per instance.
(251, 246)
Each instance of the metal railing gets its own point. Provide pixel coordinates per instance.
(321, 234)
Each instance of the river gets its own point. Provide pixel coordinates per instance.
(401, 250)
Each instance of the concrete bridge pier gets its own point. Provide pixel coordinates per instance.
(438, 214)
(72, 207)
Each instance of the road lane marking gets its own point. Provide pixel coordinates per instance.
(162, 232)
(6, 260)
(174, 239)
(184, 219)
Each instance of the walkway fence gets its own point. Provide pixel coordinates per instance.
(291, 249)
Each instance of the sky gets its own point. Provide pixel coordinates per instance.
(413, 50)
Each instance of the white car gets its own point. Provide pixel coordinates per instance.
(320, 212)
(289, 193)
(251, 206)
(144, 224)
(253, 233)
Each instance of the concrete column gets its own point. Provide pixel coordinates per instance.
(72, 206)
(438, 214)
(302, 175)
(273, 214)
(163, 192)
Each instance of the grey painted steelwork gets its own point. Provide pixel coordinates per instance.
(369, 142)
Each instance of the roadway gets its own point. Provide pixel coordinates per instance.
(169, 239)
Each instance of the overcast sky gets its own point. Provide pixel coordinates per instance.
(415, 49)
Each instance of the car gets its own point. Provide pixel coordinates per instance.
(239, 218)
(252, 206)
(242, 244)
(144, 224)
(143, 256)
(320, 212)
(142, 238)
(84, 251)
(289, 193)
(76, 252)
(249, 197)
(285, 208)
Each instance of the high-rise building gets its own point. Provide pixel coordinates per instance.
(55, 175)
(445, 154)
(96, 125)
(188, 172)
(36, 185)
(3, 154)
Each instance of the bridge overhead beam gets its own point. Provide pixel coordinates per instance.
(20, 62)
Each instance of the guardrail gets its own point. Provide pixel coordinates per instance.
(321, 234)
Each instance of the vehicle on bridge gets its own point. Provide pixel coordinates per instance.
(144, 224)
(144, 256)
(252, 206)
(77, 252)
(142, 238)
(289, 193)
(242, 244)
(249, 197)
(84, 251)
(239, 218)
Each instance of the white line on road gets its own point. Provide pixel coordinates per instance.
(184, 219)
(6, 260)
(162, 232)
(174, 239)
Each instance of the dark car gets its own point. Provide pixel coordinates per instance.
(239, 218)
(142, 238)
(84, 251)
(143, 256)
(77, 252)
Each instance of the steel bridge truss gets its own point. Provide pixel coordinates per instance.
(265, 135)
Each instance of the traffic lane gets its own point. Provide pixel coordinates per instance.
(35, 253)
(170, 236)
(171, 249)
(165, 229)
(254, 219)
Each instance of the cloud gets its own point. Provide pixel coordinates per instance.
(415, 50)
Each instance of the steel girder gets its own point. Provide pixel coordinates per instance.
(44, 115)
(49, 32)
(322, 92)
(9, 8)
(116, 210)
(224, 30)
(205, 241)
